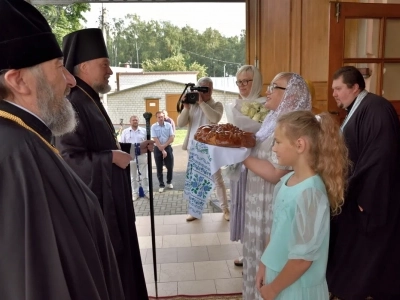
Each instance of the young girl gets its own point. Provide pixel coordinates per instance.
(287, 92)
(294, 263)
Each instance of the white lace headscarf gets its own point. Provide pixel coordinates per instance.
(256, 83)
(296, 97)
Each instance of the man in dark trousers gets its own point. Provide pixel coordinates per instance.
(163, 135)
(364, 257)
(54, 242)
(94, 154)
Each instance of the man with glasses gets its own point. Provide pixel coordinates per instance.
(205, 111)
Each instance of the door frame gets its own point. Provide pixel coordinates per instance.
(338, 13)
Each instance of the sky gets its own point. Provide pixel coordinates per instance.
(228, 18)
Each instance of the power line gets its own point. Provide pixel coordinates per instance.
(213, 59)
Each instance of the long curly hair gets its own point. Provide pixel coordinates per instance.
(328, 154)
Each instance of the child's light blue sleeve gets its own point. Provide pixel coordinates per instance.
(310, 225)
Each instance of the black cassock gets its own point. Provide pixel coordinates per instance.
(364, 257)
(88, 153)
(54, 242)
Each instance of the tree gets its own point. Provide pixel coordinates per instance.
(64, 19)
(173, 63)
(162, 46)
(201, 69)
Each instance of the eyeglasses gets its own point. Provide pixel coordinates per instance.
(270, 88)
(243, 82)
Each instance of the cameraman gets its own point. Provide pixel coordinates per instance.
(205, 111)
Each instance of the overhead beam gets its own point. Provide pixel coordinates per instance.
(65, 2)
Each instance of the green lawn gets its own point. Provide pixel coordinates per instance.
(180, 135)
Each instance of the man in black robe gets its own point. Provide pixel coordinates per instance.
(92, 151)
(364, 259)
(54, 242)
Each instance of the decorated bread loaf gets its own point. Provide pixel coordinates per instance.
(225, 135)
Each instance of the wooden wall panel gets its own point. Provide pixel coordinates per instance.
(321, 92)
(275, 37)
(291, 35)
(250, 31)
(296, 36)
(314, 58)
(253, 29)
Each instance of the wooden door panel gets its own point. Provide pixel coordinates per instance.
(171, 100)
(153, 106)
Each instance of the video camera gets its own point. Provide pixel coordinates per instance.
(192, 97)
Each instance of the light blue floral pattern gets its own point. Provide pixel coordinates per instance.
(199, 183)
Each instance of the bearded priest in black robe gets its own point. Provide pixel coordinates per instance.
(54, 242)
(93, 152)
(364, 258)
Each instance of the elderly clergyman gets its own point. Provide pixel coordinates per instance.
(54, 242)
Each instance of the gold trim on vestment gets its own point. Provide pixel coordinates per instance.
(19, 121)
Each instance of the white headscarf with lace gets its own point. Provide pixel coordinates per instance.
(296, 97)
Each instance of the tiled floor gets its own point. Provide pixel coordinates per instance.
(193, 258)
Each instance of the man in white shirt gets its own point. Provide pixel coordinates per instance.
(163, 135)
(136, 134)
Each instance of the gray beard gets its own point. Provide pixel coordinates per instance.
(57, 113)
(102, 88)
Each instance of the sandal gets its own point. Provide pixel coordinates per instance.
(238, 262)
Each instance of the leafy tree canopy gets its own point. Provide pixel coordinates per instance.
(64, 19)
(162, 46)
(155, 45)
(174, 63)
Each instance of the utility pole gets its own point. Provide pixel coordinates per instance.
(104, 22)
(137, 51)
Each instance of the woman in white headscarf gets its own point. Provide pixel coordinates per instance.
(249, 82)
(287, 92)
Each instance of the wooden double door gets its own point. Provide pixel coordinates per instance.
(367, 36)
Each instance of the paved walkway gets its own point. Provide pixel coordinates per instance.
(193, 258)
(171, 202)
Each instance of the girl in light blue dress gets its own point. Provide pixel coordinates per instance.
(293, 265)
